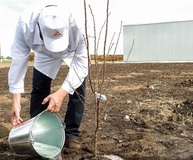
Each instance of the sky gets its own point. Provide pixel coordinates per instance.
(125, 11)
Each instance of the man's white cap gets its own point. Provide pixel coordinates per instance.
(54, 26)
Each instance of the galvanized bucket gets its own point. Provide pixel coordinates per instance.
(42, 135)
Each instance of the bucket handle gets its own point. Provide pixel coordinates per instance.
(59, 116)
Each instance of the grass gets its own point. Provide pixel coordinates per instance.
(5, 63)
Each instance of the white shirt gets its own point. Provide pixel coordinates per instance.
(27, 37)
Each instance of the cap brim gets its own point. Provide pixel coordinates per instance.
(57, 45)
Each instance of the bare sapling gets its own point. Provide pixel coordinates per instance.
(97, 70)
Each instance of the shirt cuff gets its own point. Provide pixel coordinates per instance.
(16, 90)
(67, 87)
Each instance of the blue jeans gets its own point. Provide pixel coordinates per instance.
(41, 85)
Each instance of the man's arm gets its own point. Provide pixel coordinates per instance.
(78, 68)
(20, 53)
(16, 108)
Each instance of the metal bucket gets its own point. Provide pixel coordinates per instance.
(42, 135)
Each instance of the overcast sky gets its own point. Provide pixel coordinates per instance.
(127, 11)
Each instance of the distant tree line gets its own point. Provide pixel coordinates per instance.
(8, 57)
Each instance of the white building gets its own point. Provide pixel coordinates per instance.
(158, 42)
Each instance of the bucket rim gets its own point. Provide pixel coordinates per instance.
(62, 125)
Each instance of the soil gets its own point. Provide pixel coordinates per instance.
(148, 114)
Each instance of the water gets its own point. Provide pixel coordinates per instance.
(47, 151)
(58, 157)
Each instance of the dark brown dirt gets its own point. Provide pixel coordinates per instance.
(148, 114)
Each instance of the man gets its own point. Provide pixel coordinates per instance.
(52, 33)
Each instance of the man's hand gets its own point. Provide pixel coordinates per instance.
(55, 100)
(16, 108)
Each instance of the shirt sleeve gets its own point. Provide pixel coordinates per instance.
(78, 69)
(20, 55)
